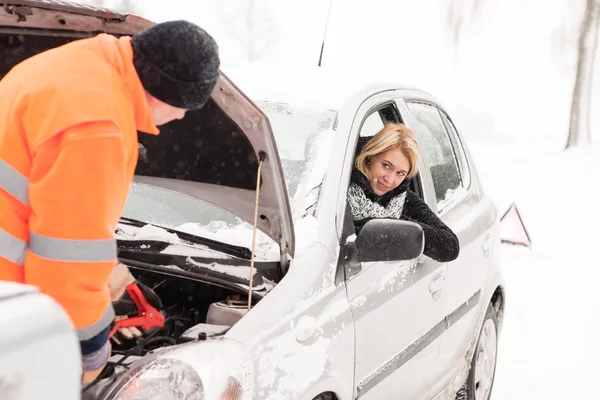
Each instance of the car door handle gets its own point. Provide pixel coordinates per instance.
(435, 286)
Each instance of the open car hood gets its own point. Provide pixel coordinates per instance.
(212, 154)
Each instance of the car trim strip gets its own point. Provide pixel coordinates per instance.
(461, 311)
(422, 342)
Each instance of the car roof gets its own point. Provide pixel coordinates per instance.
(320, 87)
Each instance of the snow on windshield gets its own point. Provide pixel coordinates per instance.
(297, 130)
(304, 139)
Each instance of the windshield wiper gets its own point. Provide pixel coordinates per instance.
(230, 249)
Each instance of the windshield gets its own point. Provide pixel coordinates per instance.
(301, 136)
(298, 134)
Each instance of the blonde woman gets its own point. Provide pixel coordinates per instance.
(379, 189)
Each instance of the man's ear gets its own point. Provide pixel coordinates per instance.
(142, 153)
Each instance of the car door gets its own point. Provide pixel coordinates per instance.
(458, 205)
(398, 307)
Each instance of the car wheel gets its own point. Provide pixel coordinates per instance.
(483, 366)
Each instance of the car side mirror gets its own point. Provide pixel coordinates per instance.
(390, 240)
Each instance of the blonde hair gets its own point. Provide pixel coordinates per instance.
(392, 136)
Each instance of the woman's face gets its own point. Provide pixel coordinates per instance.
(388, 170)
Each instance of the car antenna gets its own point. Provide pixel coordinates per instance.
(325, 33)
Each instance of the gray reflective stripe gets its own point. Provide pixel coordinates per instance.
(12, 248)
(100, 250)
(90, 331)
(14, 182)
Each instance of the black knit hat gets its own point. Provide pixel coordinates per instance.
(177, 62)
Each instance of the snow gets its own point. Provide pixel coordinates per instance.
(306, 232)
(147, 232)
(396, 278)
(232, 270)
(237, 235)
(549, 347)
(285, 353)
(321, 291)
(499, 84)
(195, 250)
(319, 151)
(178, 246)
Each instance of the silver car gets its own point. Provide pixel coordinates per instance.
(269, 293)
(330, 317)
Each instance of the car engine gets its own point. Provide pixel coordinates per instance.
(193, 310)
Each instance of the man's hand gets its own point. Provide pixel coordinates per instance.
(118, 281)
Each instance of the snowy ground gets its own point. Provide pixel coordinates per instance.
(549, 348)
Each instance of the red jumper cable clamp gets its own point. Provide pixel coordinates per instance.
(147, 317)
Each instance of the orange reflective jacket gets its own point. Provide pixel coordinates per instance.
(68, 150)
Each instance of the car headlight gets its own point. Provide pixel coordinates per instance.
(217, 369)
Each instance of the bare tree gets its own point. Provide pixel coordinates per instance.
(579, 125)
(250, 23)
(461, 13)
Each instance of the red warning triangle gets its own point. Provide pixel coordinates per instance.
(512, 228)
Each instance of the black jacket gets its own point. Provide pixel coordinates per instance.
(441, 243)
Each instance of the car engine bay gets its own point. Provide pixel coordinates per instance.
(192, 310)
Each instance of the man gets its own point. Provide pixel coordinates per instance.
(68, 150)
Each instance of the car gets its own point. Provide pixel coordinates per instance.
(40, 350)
(238, 219)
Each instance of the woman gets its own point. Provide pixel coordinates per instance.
(379, 189)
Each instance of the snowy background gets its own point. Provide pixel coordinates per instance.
(508, 85)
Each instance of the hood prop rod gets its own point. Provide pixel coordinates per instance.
(262, 156)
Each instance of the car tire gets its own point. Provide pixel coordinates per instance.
(480, 382)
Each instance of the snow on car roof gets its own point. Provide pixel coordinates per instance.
(301, 85)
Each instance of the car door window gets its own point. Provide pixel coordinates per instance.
(465, 172)
(371, 125)
(377, 119)
(437, 146)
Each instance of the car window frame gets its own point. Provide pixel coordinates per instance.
(458, 197)
(343, 218)
(353, 123)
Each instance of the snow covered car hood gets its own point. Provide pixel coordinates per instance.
(211, 154)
